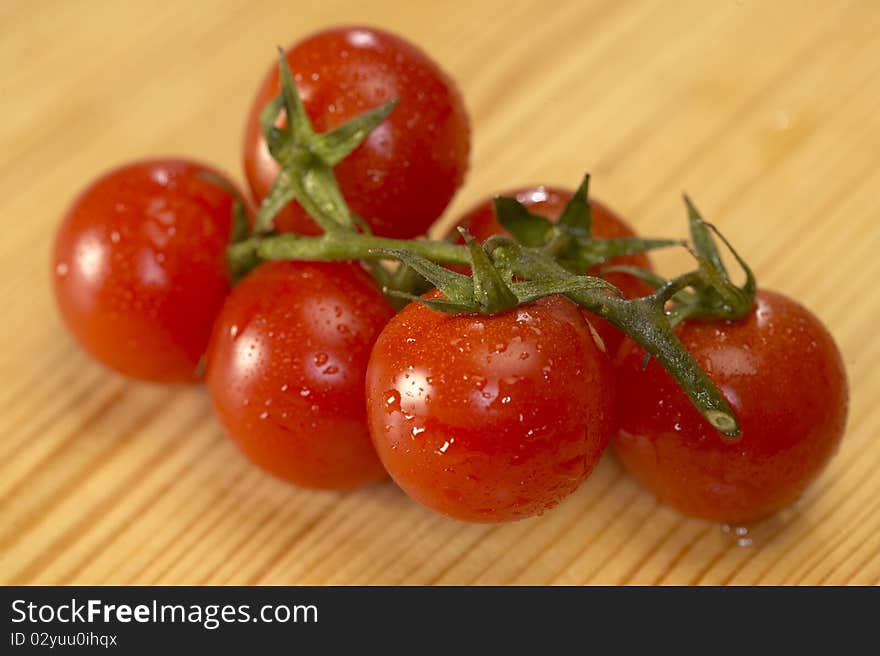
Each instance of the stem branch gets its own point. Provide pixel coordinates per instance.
(350, 246)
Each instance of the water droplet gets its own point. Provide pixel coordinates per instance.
(62, 269)
(445, 446)
(392, 401)
(739, 535)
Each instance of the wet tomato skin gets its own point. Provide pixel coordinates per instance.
(406, 172)
(139, 267)
(549, 202)
(489, 418)
(286, 369)
(782, 373)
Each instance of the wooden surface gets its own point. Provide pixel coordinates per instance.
(768, 113)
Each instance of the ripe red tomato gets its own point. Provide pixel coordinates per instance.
(406, 172)
(489, 418)
(286, 370)
(139, 267)
(549, 202)
(781, 372)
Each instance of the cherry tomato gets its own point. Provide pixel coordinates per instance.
(286, 370)
(549, 202)
(782, 374)
(139, 267)
(489, 418)
(406, 172)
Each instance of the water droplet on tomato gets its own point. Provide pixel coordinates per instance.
(445, 446)
(392, 401)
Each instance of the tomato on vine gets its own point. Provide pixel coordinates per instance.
(489, 418)
(784, 377)
(139, 266)
(401, 178)
(286, 369)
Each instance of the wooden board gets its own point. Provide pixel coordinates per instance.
(768, 113)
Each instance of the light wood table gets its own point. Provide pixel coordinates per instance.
(767, 113)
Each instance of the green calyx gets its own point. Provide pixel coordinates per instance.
(307, 158)
(707, 292)
(485, 291)
(570, 240)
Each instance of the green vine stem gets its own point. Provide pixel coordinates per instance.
(644, 320)
(543, 259)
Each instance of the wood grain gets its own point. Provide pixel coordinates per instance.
(768, 113)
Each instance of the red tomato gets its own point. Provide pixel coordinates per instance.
(489, 418)
(406, 172)
(782, 374)
(549, 202)
(286, 370)
(140, 270)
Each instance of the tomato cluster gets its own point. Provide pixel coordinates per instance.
(482, 417)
